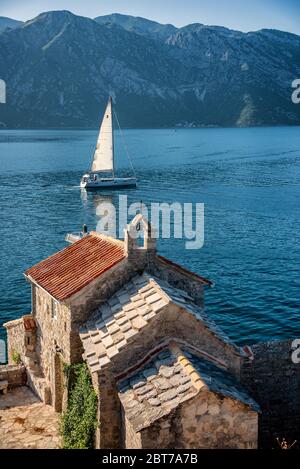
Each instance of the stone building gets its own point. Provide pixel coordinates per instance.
(166, 376)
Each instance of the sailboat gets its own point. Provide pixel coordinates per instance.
(102, 174)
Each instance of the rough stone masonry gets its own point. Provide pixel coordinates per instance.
(165, 374)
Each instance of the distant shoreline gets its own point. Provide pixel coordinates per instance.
(153, 128)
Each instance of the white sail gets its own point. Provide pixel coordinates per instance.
(104, 154)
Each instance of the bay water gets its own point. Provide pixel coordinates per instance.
(248, 180)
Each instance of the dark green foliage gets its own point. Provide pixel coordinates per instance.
(79, 421)
(16, 357)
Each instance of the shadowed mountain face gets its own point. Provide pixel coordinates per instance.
(6, 23)
(60, 68)
(141, 26)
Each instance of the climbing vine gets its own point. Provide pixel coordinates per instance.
(16, 357)
(79, 421)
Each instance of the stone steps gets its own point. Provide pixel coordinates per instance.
(32, 364)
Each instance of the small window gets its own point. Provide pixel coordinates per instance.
(54, 309)
(27, 341)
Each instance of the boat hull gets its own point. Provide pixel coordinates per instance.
(113, 183)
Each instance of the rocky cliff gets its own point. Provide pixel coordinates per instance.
(60, 68)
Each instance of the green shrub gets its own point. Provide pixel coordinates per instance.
(16, 357)
(79, 421)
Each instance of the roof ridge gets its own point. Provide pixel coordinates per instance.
(187, 365)
(190, 305)
(69, 248)
(108, 238)
(61, 274)
(157, 286)
(185, 271)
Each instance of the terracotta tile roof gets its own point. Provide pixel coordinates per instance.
(71, 269)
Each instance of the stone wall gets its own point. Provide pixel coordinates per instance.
(179, 279)
(23, 341)
(130, 438)
(172, 323)
(206, 421)
(162, 434)
(21, 338)
(53, 330)
(216, 422)
(53, 346)
(15, 339)
(109, 432)
(273, 380)
(14, 374)
(176, 323)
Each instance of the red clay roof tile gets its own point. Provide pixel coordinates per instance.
(29, 323)
(73, 268)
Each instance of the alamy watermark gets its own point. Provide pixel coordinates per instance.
(2, 92)
(180, 221)
(296, 92)
(2, 351)
(296, 351)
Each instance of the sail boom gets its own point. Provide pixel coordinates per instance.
(101, 171)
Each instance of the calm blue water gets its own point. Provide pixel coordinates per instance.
(249, 180)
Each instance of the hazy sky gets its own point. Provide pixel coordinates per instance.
(245, 15)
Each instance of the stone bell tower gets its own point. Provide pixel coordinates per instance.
(140, 242)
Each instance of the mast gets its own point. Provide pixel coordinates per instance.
(113, 137)
(124, 142)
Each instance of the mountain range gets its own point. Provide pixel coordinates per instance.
(60, 68)
(8, 23)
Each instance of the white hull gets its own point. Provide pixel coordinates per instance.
(108, 183)
(72, 238)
